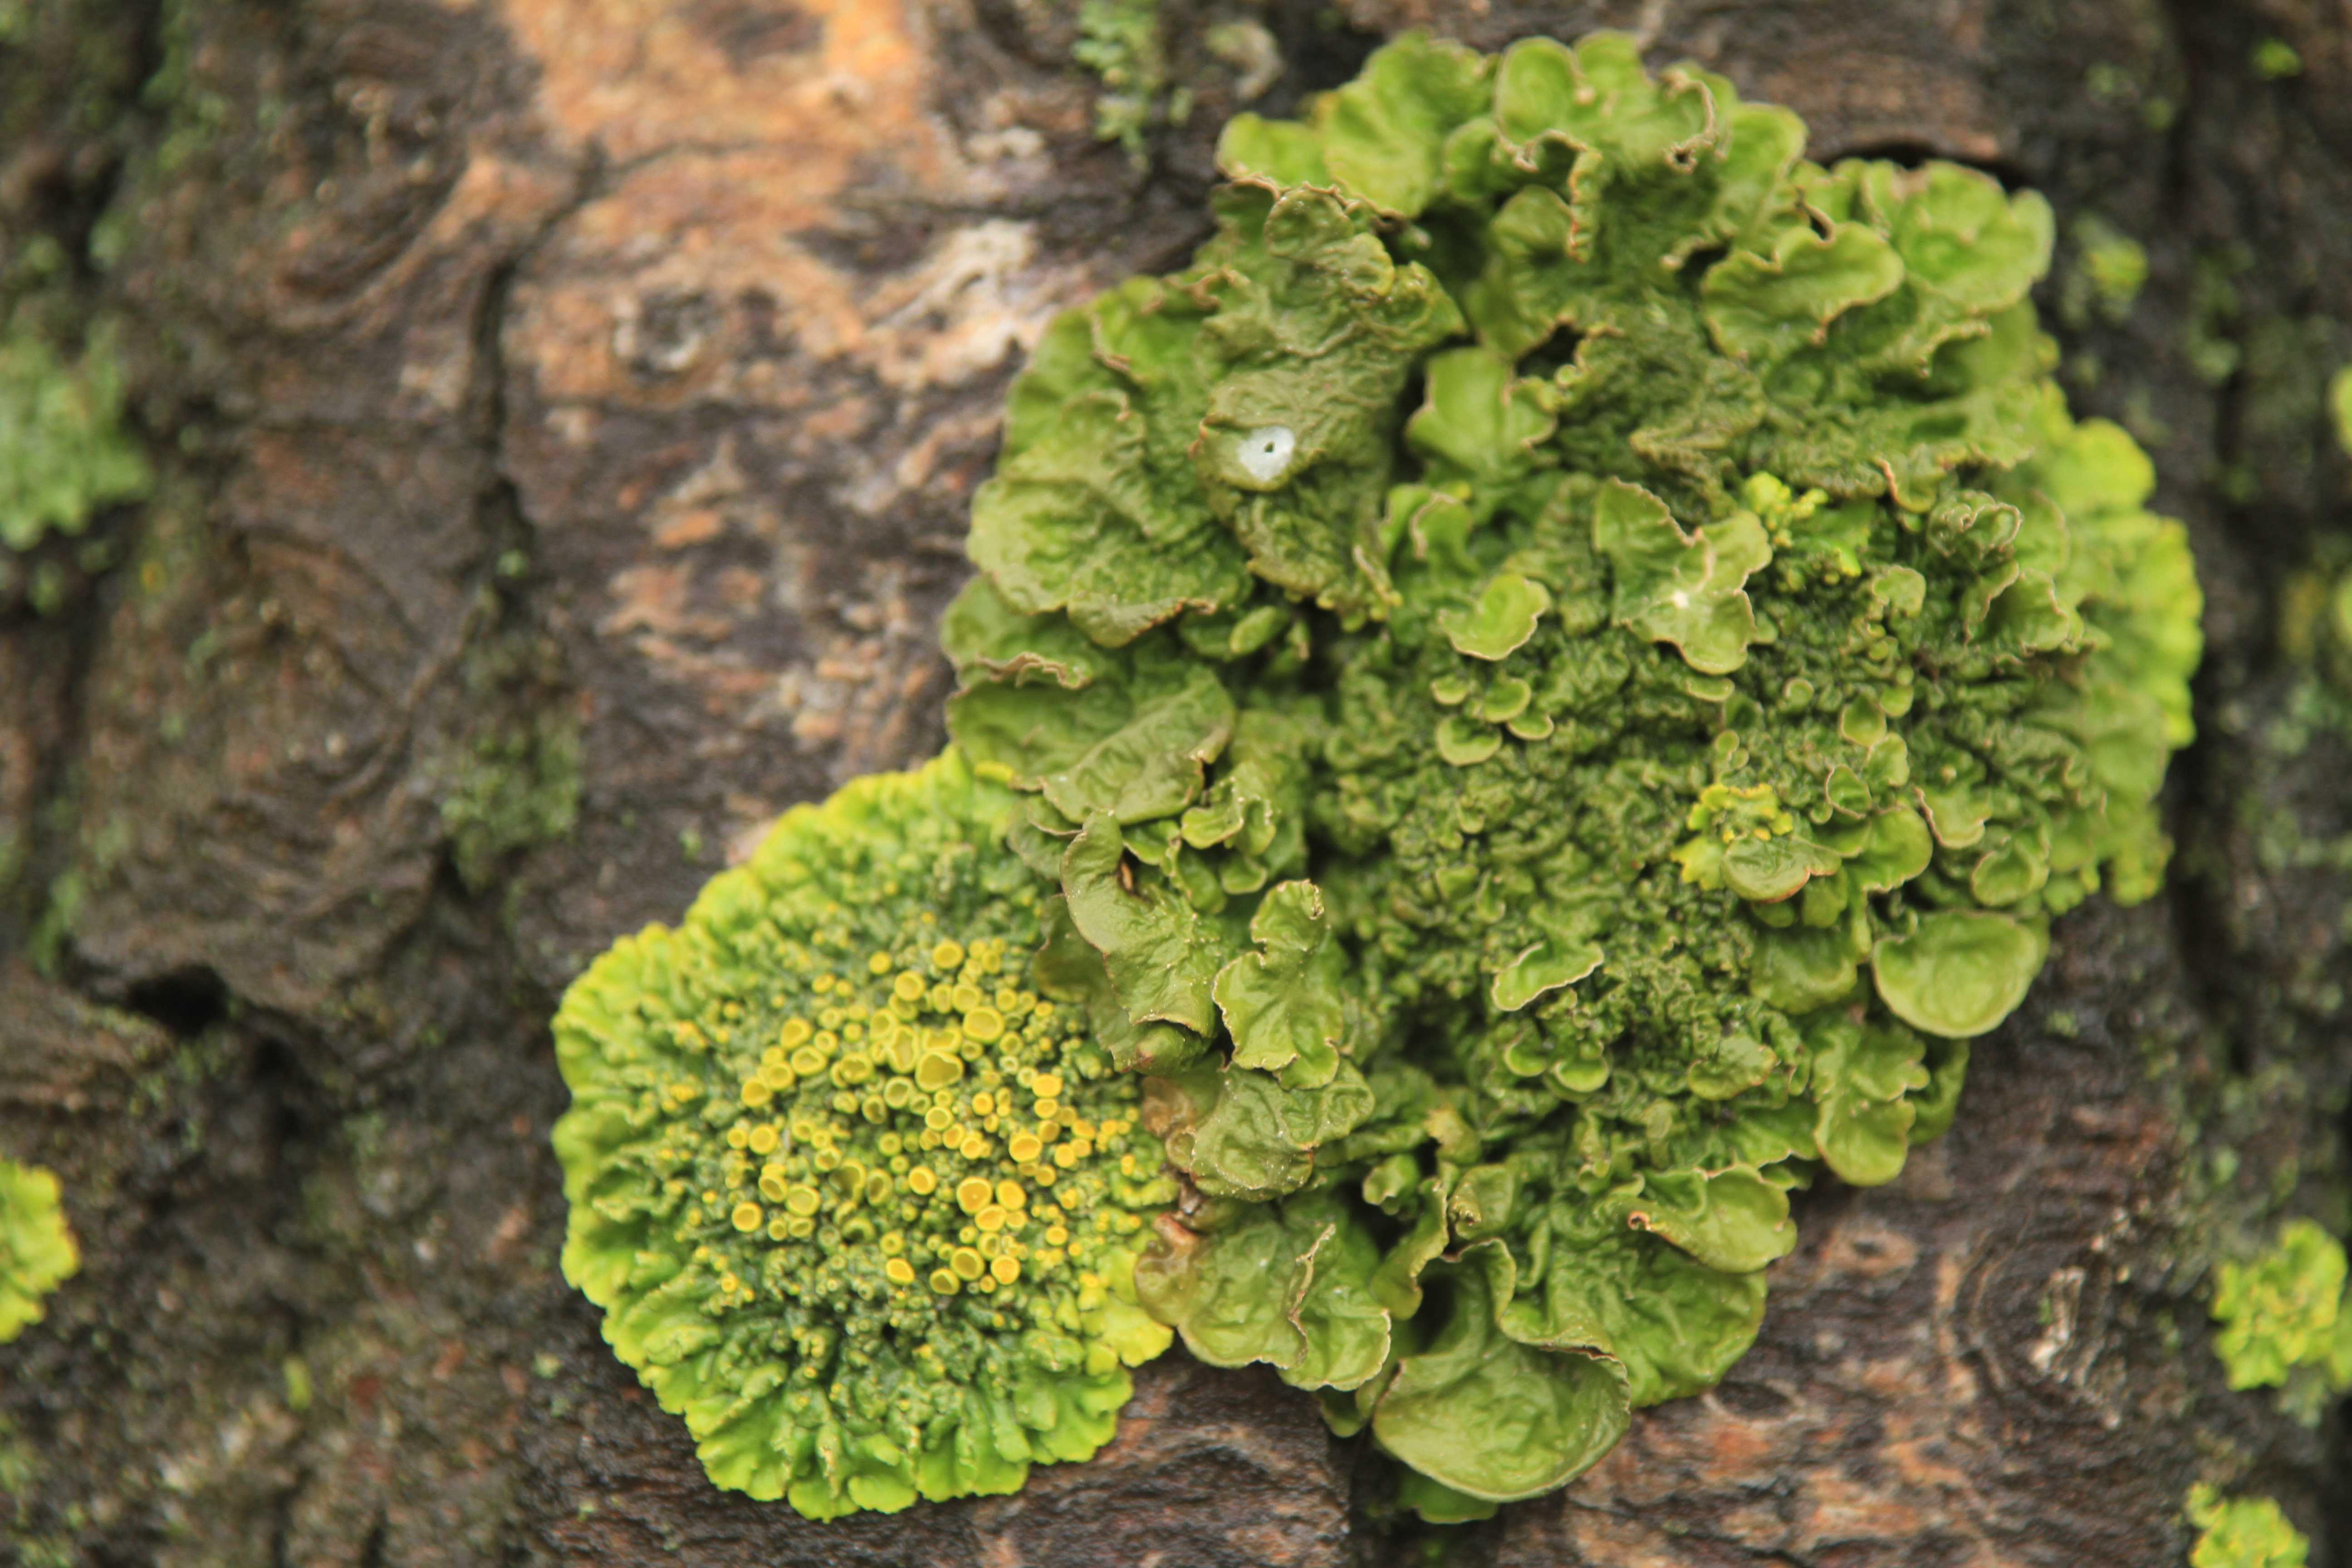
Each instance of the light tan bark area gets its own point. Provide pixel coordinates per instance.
(753, 373)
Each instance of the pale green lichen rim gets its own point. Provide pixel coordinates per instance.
(859, 1202)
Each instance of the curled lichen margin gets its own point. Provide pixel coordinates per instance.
(38, 1250)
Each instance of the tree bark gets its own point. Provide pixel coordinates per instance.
(564, 413)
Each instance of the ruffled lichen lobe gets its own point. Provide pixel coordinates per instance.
(38, 1252)
(859, 1202)
(2243, 1533)
(1691, 716)
(2281, 1317)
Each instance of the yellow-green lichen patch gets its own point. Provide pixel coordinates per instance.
(1124, 43)
(2243, 1533)
(859, 1203)
(2284, 1311)
(63, 452)
(2275, 59)
(1693, 714)
(1524, 836)
(2110, 269)
(36, 1252)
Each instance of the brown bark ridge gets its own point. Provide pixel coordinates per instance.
(564, 413)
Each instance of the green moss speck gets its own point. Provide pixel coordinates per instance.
(513, 779)
(54, 925)
(20, 1473)
(2109, 269)
(2275, 59)
(17, 1468)
(2108, 82)
(194, 114)
(515, 788)
(2210, 332)
(299, 1390)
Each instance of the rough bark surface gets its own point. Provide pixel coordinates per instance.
(564, 414)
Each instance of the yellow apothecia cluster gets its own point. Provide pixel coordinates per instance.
(857, 1201)
(911, 1127)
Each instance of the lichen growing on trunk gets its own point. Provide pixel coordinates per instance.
(36, 1252)
(859, 1203)
(1521, 839)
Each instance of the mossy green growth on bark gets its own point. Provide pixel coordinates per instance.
(2109, 272)
(36, 1252)
(511, 779)
(1124, 43)
(1541, 691)
(513, 788)
(21, 1477)
(63, 450)
(1670, 742)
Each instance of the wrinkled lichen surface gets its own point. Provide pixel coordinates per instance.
(1560, 671)
(681, 331)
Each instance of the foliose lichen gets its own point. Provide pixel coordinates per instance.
(63, 450)
(36, 1252)
(2243, 1533)
(859, 1202)
(1683, 727)
(1543, 688)
(1124, 43)
(2282, 1312)
(2109, 272)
